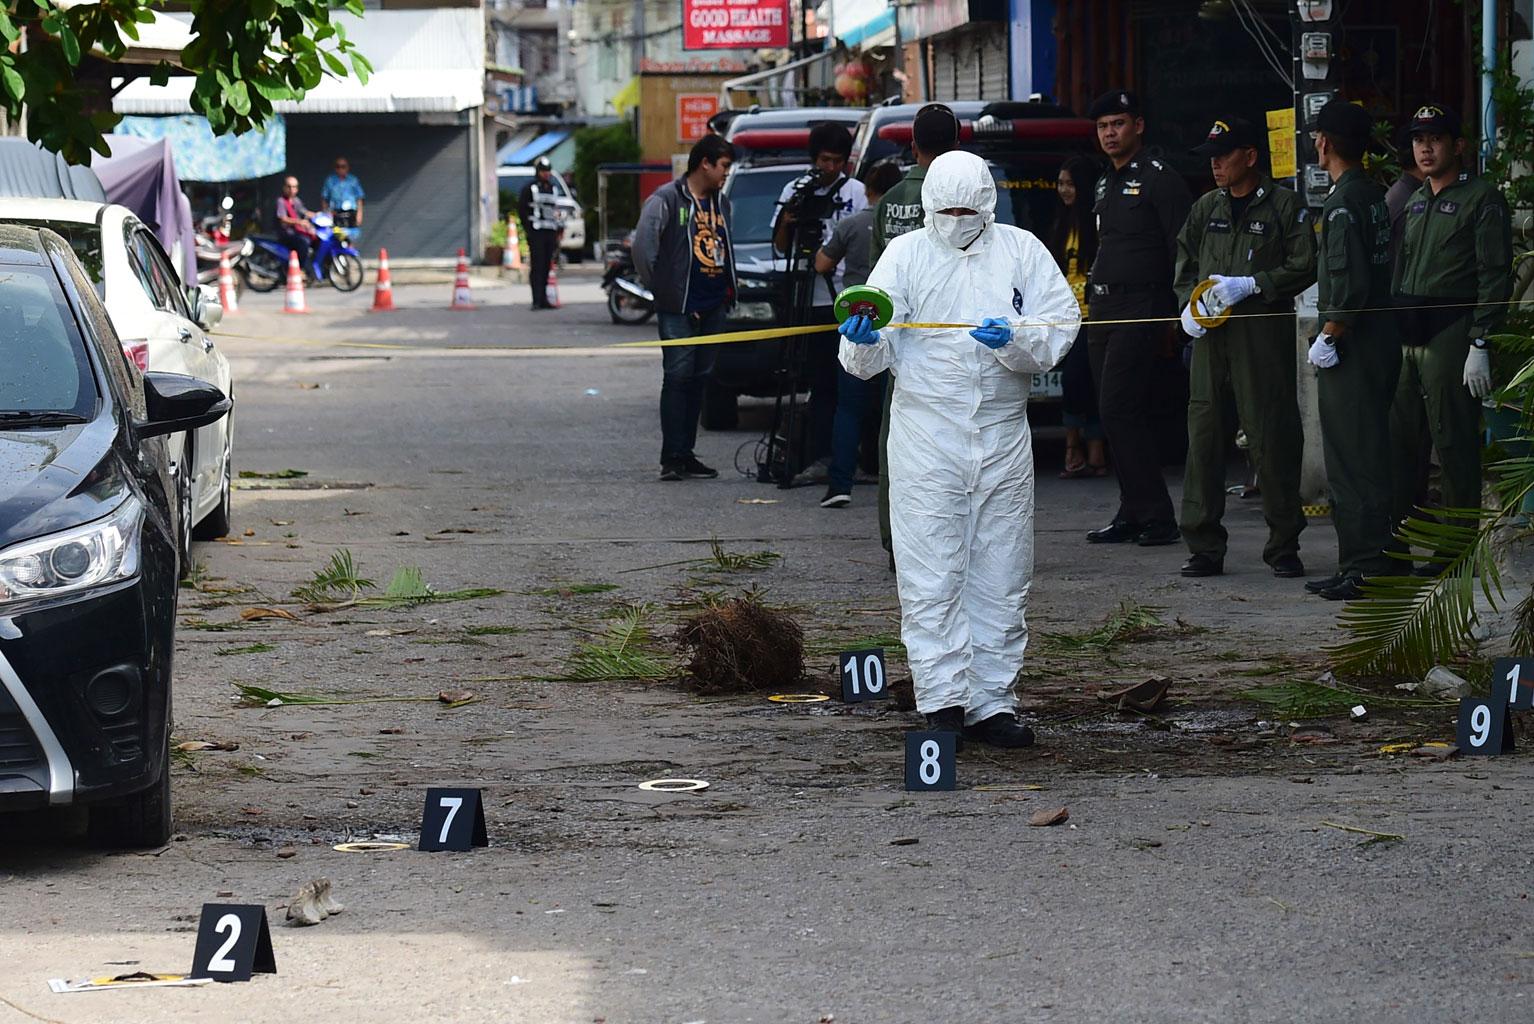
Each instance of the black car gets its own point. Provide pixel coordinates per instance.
(88, 555)
(750, 367)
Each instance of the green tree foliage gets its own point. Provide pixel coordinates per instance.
(245, 54)
(608, 144)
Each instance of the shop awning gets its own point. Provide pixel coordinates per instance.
(386, 92)
(534, 149)
(879, 31)
(202, 156)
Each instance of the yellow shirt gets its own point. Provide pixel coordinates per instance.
(1075, 273)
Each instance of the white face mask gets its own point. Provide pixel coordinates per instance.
(959, 230)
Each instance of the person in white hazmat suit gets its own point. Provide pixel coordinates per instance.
(960, 453)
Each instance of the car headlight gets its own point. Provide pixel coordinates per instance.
(92, 555)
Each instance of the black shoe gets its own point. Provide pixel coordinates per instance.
(836, 497)
(1001, 730)
(694, 469)
(1116, 533)
(672, 471)
(1158, 534)
(538, 305)
(1350, 589)
(1325, 583)
(1288, 567)
(1203, 565)
(948, 720)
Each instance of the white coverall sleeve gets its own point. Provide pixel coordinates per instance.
(1047, 300)
(868, 361)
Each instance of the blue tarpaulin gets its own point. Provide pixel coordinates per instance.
(532, 150)
(202, 156)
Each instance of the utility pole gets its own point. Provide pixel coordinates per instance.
(637, 22)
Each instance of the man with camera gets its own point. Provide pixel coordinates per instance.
(808, 210)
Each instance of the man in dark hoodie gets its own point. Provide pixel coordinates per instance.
(682, 253)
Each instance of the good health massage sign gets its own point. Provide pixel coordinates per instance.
(734, 24)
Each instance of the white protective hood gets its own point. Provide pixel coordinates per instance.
(958, 180)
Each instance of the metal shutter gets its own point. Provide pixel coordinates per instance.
(416, 176)
(967, 64)
(943, 71)
(995, 78)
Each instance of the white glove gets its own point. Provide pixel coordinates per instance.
(1190, 326)
(1231, 290)
(1323, 352)
(1478, 372)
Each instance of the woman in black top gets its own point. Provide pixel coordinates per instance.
(1073, 241)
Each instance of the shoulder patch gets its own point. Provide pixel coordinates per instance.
(1448, 206)
(1304, 213)
(1341, 211)
(1157, 164)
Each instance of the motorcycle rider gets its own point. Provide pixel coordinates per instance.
(293, 227)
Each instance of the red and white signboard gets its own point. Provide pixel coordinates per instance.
(693, 109)
(734, 24)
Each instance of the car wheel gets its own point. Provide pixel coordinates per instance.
(217, 523)
(345, 272)
(184, 508)
(721, 411)
(138, 821)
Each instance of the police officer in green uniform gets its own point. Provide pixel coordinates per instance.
(1357, 355)
(934, 132)
(1253, 239)
(1452, 284)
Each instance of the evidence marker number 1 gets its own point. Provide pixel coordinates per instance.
(863, 675)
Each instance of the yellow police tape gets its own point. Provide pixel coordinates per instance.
(771, 333)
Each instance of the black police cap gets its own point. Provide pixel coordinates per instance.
(1116, 102)
(1343, 119)
(1228, 134)
(1435, 119)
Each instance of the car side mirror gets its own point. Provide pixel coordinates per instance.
(206, 310)
(174, 402)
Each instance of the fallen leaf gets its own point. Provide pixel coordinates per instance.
(191, 745)
(1050, 816)
(251, 810)
(905, 841)
(253, 614)
(250, 533)
(393, 731)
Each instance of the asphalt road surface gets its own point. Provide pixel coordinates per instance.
(1201, 875)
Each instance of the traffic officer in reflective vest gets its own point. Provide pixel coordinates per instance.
(1141, 204)
(1452, 284)
(1356, 355)
(1255, 242)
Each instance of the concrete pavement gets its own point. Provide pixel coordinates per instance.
(1200, 876)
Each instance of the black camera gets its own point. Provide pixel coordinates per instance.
(811, 206)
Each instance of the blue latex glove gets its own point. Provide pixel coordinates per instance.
(993, 332)
(859, 330)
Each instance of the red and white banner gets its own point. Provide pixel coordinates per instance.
(734, 24)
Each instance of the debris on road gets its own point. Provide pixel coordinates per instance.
(1374, 837)
(905, 841)
(1441, 682)
(1050, 816)
(742, 645)
(457, 698)
(1144, 697)
(191, 745)
(313, 903)
(256, 614)
(621, 652)
(138, 979)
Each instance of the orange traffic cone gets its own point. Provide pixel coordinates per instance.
(462, 297)
(383, 292)
(552, 291)
(511, 259)
(226, 294)
(294, 301)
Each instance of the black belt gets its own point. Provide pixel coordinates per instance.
(1105, 290)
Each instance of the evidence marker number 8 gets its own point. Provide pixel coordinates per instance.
(863, 675)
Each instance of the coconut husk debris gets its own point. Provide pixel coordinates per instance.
(742, 645)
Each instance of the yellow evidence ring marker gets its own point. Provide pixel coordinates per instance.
(862, 300)
(673, 786)
(368, 847)
(798, 698)
(1207, 310)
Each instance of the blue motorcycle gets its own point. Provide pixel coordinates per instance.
(333, 259)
